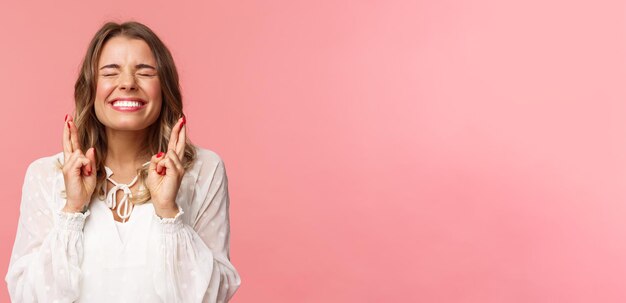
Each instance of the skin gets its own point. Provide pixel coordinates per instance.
(125, 131)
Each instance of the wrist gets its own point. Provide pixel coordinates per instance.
(70, 209)
(166, 212)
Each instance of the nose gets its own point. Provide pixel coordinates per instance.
(127, 81)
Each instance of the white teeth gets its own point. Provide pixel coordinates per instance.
(127, 104)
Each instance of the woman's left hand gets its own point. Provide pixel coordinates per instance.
(166, 173)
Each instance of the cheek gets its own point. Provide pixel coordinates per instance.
(103, 89)
(157, 107)
(155, 90)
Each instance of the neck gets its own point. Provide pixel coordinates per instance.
(126, 148)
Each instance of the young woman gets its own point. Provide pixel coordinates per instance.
(142, 215)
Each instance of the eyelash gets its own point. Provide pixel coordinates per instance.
(106, 75)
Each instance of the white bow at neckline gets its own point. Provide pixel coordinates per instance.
(111, 199)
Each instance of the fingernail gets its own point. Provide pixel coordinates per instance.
(66, 117)
(160, 154)
(68, 124)
(184, 120)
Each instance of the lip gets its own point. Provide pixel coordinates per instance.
(128, 99)
(127, 109)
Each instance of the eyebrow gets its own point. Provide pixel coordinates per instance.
(138, 66)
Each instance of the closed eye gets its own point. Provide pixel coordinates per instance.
(146, 75)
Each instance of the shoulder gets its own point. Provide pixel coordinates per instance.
(209, 161)
(45, 166)
(210, 173)
(201, 181)
(207, 156)
(41, 179)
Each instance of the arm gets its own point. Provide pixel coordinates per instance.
(48, 248)
(197, 261)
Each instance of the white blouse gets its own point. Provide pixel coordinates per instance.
(122, 229)
(75, 257)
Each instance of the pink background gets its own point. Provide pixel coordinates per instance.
(377, 151)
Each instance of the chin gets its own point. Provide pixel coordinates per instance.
(129, 125)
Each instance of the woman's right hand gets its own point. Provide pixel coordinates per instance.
(79, 170)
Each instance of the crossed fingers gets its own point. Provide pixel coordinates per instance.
(177, 146)
(71, 147)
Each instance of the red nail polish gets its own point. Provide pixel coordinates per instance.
(66, 117)
(184, 120)
(160, 154)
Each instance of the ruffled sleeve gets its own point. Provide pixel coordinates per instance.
(48, 249)
(193, 263)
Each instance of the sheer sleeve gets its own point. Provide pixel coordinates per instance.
(196, 254)
(48, 249)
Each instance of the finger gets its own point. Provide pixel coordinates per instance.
(69, 164)
(83, 161)
(74, 135)
(67, 145)
(77, 162)
(91, 155)
(154, 160)
(178, 165)
(166, 165)
(182, 136)
(168, 162)
(174, 135)
(160, 167)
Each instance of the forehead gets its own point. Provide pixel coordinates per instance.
(122, 50)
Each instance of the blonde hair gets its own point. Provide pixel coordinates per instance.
(91, 133)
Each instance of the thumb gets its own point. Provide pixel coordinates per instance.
(154, 161)
(91, 155)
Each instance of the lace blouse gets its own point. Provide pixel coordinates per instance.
(75, 257)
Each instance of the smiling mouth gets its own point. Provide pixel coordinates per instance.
(123, 105)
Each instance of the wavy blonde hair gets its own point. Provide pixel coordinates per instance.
(92, 133)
